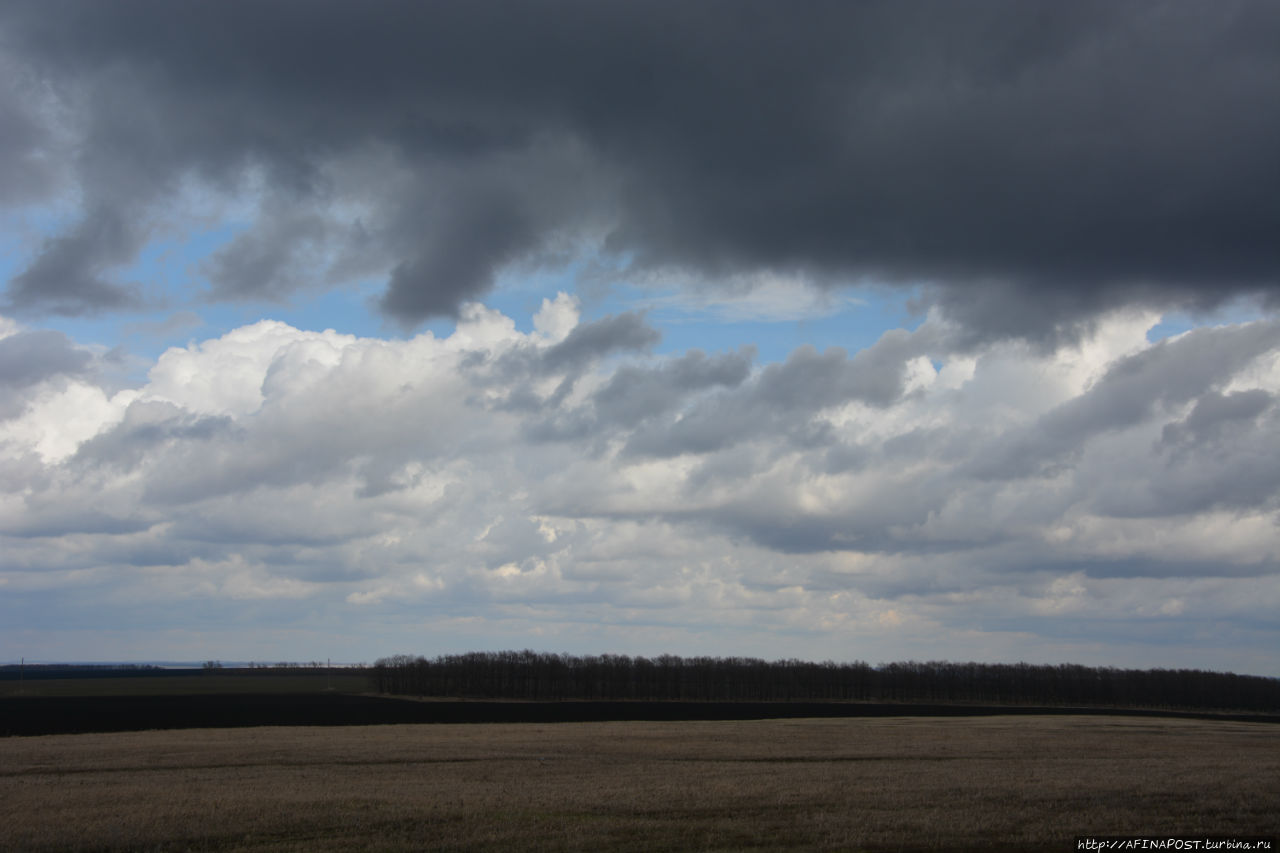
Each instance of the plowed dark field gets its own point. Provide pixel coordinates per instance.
(998, 784)
(43, 715)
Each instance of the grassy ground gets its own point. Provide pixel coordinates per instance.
(863, 784)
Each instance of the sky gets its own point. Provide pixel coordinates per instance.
(837, 331)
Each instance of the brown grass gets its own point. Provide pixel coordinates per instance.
(852, 784)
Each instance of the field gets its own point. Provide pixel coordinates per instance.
(881, 783)
(183, 684)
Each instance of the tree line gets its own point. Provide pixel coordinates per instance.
(539, 675)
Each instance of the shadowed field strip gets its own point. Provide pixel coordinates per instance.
(829, 784)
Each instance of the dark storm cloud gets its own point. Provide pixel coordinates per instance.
(1037, 161)
(271, 261)
(69, 275)
(25, 172)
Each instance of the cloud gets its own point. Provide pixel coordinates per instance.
(635, 393)
(1170, 373)
(68, 276)
(787, 399)
(1038, 167)
(833, 498)
(272, 261)
(761, 298)
(592, 341)
(26, 170)
(1215, 417)
(551, 362)
(28, 357)
(33, 361)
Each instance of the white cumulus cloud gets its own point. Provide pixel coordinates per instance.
(917, 498)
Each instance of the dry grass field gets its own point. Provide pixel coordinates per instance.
(1010, 783)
